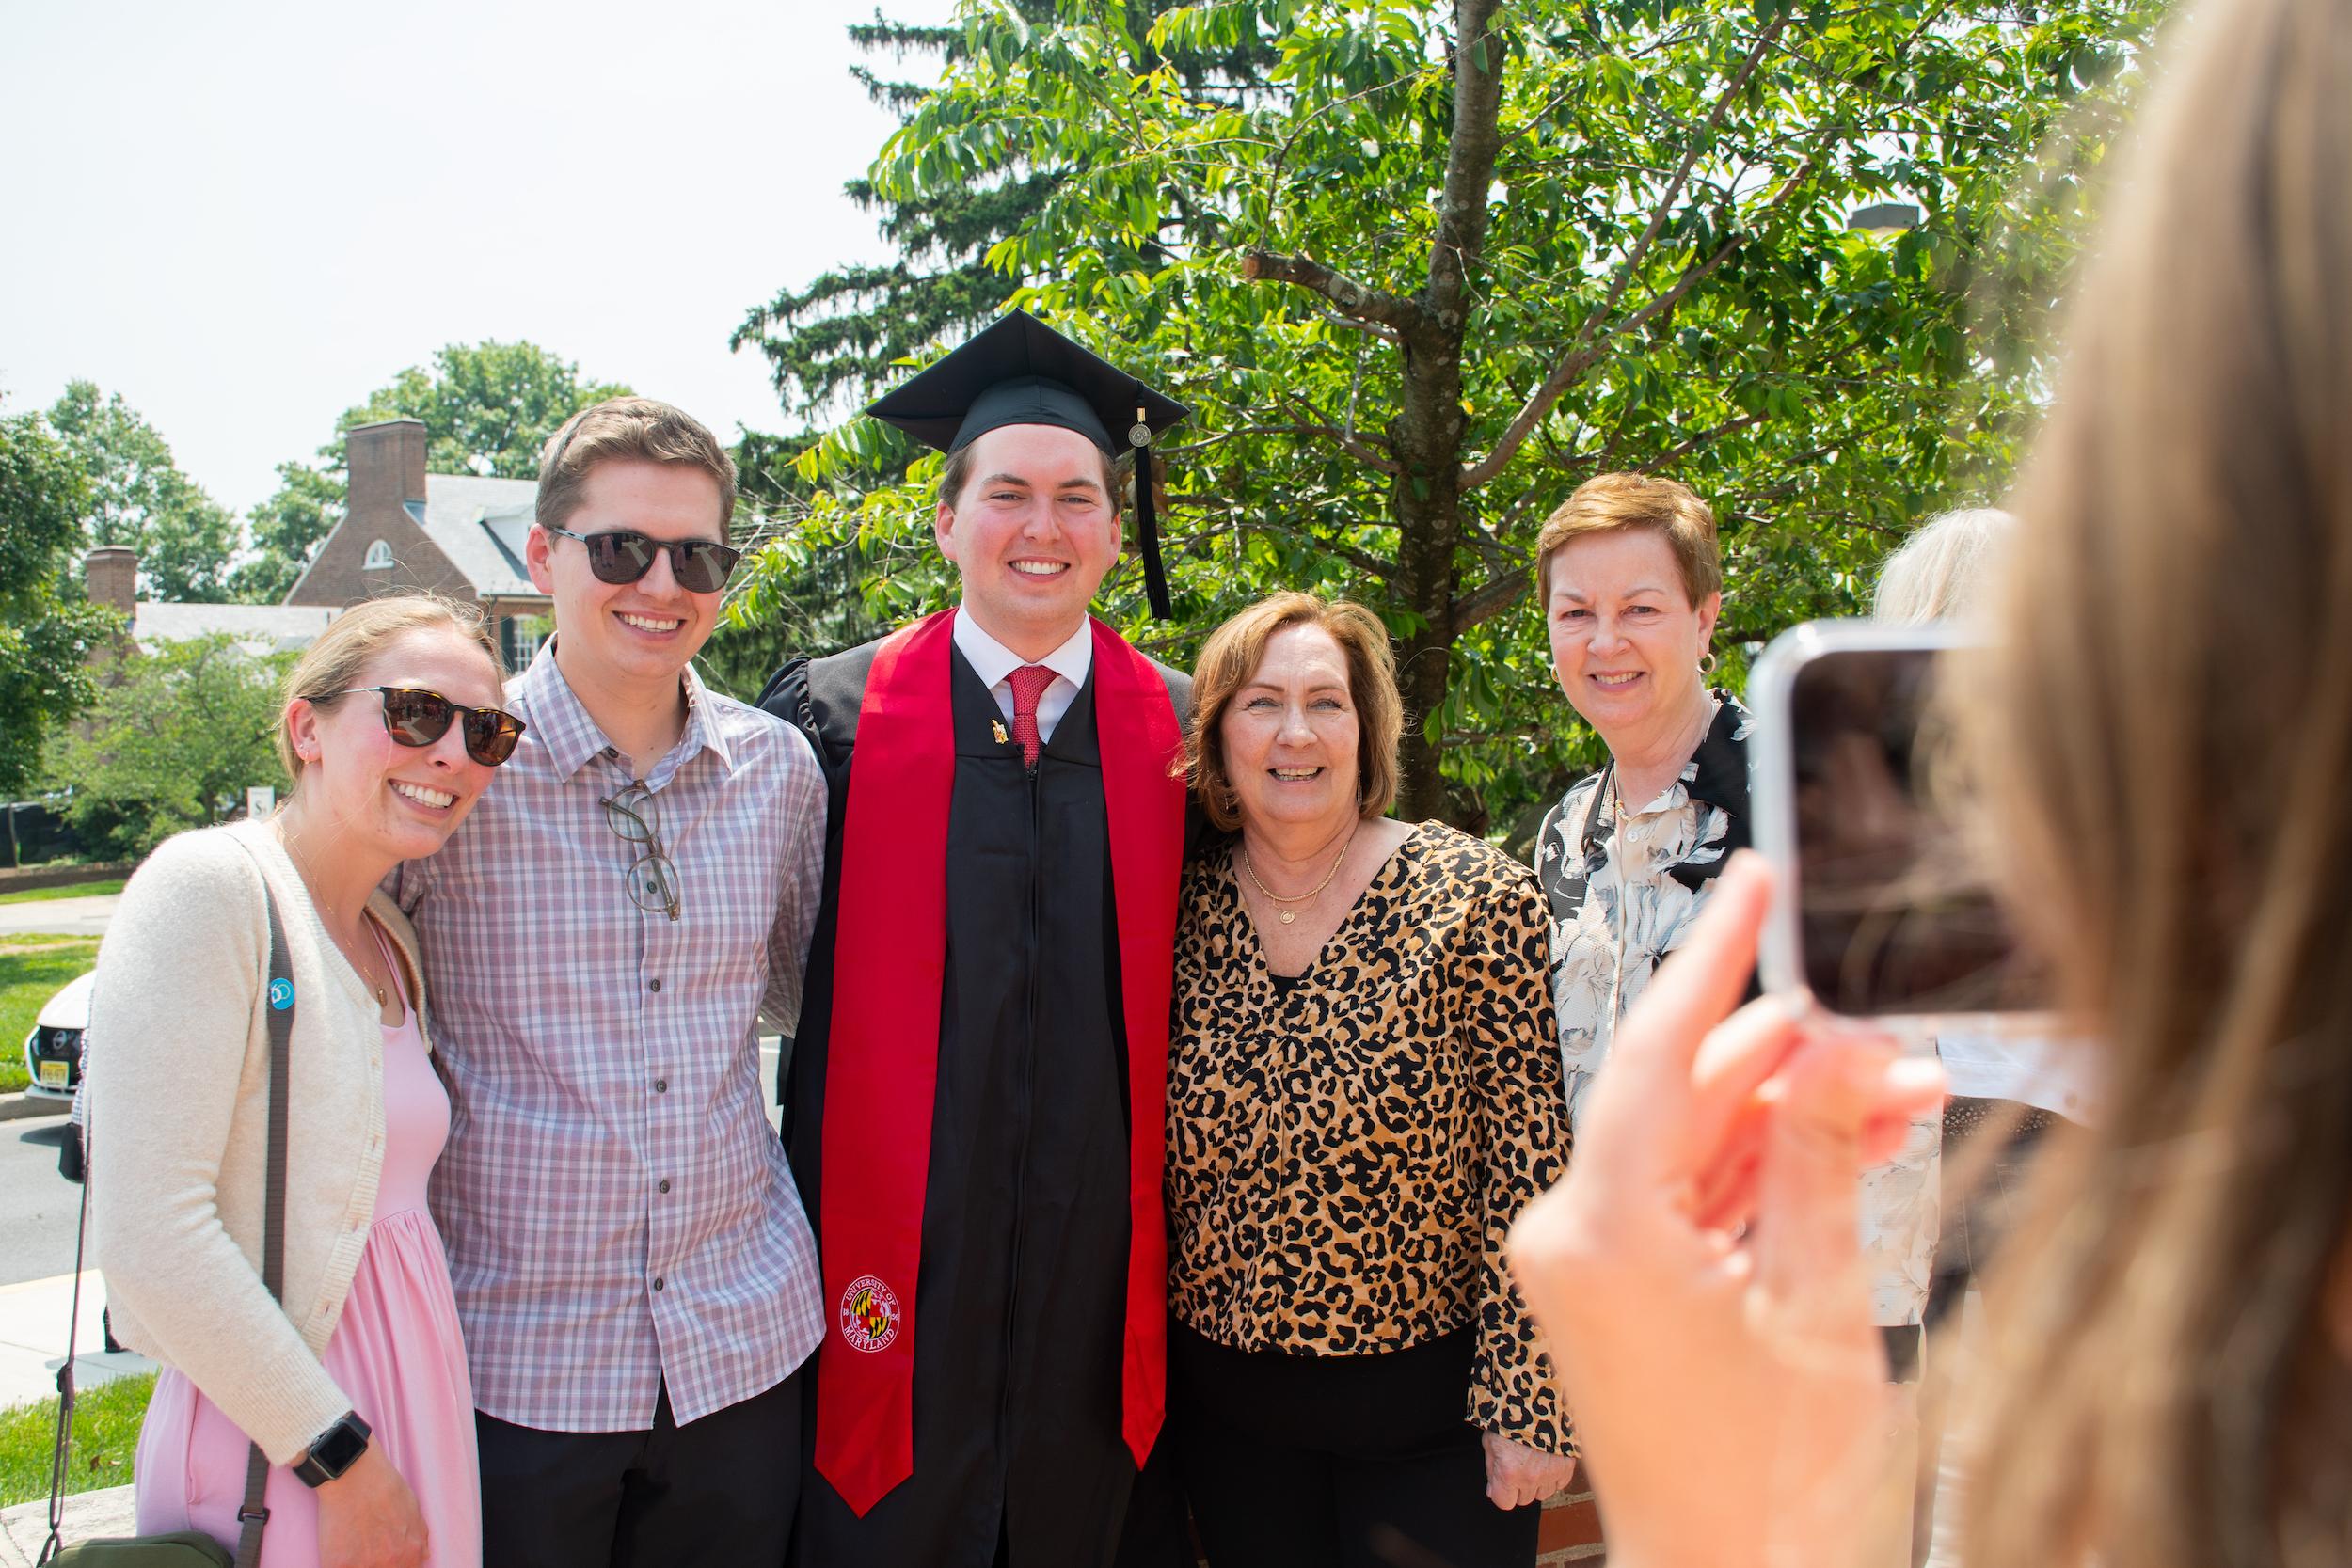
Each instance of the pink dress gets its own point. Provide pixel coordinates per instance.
(397, 1351)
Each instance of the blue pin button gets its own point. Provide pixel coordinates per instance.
(281, 995)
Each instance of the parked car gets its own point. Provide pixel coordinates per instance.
(52, 1052)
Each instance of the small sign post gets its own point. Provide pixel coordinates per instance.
(260, 801)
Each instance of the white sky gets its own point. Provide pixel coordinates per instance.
(245, 216)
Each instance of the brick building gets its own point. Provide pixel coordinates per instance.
(110, 575)
(458, 535)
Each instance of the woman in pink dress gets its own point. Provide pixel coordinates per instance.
(353, 1381)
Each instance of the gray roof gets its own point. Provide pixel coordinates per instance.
(259, 628)
(480, 523)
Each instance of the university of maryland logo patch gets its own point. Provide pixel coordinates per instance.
(869, 1314)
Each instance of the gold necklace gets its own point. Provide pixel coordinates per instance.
(1290, 915)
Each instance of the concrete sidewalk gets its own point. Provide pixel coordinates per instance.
(32, 1338)
(32, 1347)
(88, 1517)
(80, 917)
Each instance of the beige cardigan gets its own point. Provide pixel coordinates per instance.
(178, 1102)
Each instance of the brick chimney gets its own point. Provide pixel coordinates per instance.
(110, 575)
(387, 466)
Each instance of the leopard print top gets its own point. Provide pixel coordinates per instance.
(1344, 1161)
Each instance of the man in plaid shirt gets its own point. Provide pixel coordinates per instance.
(634, 1269)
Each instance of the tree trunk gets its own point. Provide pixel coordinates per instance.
(1426, 437)
(1425, 440)
(1428, 433)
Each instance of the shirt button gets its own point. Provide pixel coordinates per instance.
(613, 751)
(661, 1085)
(657, 1282)
(662, 1185)
(653, 985)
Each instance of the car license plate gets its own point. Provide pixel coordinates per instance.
(53, 1074)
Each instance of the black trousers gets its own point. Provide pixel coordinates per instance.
(717, 1493)
(1337, 1460)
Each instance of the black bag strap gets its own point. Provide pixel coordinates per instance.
(278, 1003)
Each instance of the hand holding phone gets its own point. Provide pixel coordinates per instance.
(1885, 913)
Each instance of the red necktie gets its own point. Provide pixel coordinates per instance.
(1028, 683)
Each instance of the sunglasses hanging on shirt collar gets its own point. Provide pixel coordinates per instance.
(1022, 371)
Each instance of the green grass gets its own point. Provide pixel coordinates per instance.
(26, 981)
(41, 939)
(105, 1438)
(73, 890)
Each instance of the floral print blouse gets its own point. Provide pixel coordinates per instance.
(1346, 1156)
(1624, 893)
(1644, 880)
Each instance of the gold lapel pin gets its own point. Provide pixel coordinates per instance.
(997, 727)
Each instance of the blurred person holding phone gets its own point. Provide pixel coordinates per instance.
(353, 1381)
(2165, 722)
(2006, 1091)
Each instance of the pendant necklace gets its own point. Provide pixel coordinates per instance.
(1290, 915)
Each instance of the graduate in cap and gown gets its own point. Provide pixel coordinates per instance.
(974, 1100)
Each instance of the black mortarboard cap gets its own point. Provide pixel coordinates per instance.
(1019, 370)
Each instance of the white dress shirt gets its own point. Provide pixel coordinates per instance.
(994, 664)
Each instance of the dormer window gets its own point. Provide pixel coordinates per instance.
(379, 557)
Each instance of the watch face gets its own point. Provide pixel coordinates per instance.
(340, 1445)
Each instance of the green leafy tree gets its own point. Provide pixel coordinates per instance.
(840, 337)
(138, 497)
(285, 528)
(1435, 265)
(175, 738)
(48, 630)
(809, 598)
(487, 409)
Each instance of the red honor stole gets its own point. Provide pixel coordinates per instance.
(890, 960)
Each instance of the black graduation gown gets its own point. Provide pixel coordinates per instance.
(1020, 1307)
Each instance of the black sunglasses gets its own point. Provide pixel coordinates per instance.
(415, 717)
(700, 566)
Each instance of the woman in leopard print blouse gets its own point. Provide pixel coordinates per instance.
(1363, 1091)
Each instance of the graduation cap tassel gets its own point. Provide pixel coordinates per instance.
(1148, 522)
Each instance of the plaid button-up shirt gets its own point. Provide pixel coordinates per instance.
(616, 1209)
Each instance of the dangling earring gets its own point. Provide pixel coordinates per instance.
(1706, 662)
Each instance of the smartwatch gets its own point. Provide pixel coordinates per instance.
(335, 1450)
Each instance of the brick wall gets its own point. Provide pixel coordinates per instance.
(1571, 1531)
(110, 575)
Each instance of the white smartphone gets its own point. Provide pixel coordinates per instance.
(1880, 912)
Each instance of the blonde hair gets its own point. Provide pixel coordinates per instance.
(2167, 721)
(1608, 502)
(1232, 654)
(352, 639)
(1941, 572)
(629, 429)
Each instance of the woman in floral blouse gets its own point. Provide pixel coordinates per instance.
(1631, 585)
(1363, 1092)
